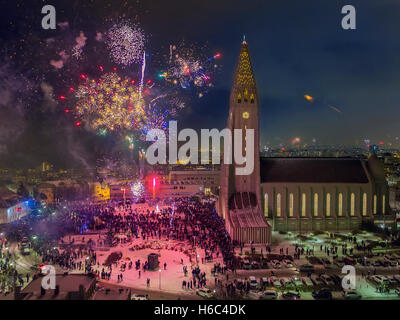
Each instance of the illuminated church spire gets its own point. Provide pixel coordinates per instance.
(244, 83)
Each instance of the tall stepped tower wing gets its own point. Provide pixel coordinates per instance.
(239, 201)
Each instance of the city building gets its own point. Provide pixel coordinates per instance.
(68, 287)
(295, 194)
(333, 194)
(12, 206)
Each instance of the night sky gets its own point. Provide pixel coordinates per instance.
(296, 47)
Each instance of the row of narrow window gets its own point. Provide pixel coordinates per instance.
(328, 205)
(239, 98)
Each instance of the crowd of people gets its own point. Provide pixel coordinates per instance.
(193, 222)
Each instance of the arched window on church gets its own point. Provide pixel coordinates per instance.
(239, 98)
(315, 204)
(291, 204)
(340, 205)
(383, 204)
(375, 201)
(303, 205)
(278, 205)
(252, 98)
(266, 205)
(364, 210)
(246, 95)
(352, 204)
(328, 204)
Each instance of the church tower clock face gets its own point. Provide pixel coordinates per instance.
(246, 115)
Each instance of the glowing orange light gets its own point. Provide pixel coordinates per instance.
(308, 98)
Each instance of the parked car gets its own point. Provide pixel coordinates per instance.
(323, 294)
(291, 295)
(336, 279)
(390, 257)
(392, 281)
(317, 280)
(253, 282)
(268, 295)
(297, 282)
(385, 263)
(379, 279)
(140, 297)
(307, 282)
(314, 260)
(264, 282)
(287, 263)
(276, 264)
(275, 282)
(307, 268)
(351, 295)
(287, 282)
(246, 265)
(393, 263)
(366, 262)
(377, 263)
(26, 251)
(239, 283)
(327, 280)
(205, 293)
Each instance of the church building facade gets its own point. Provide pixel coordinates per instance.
(294, 194)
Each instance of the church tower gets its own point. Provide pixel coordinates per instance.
(239, 201)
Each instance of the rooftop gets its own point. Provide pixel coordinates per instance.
(313, 170)
(67, 283)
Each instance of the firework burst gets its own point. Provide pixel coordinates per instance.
(111, 103)
(189, 67)
(137, 189)
(116, 104)
(126, 43)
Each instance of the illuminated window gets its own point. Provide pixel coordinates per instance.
(328, 204)
(246, 94)
(375, 200)
(266, 204)
(352, 204)
(291, 205)
(303, 205)
(239, 98)
(340, 200)
(278, 205)
(252, 98)
(364, 210)
(383, 204)
(315, 204)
